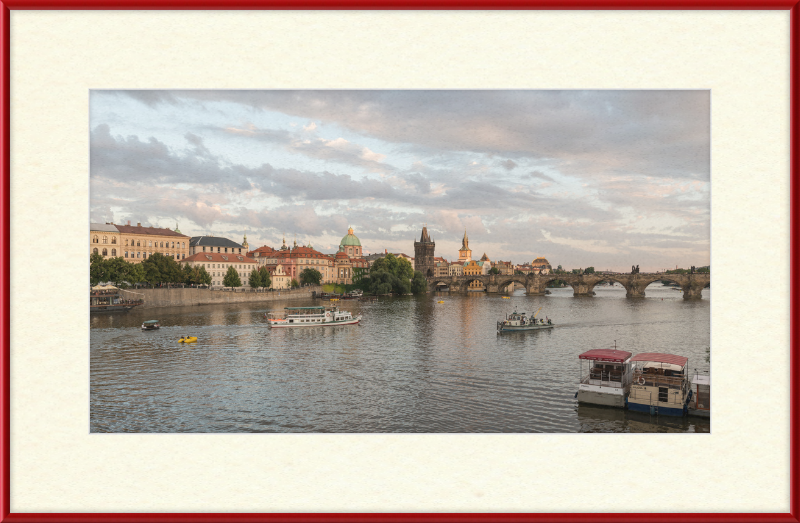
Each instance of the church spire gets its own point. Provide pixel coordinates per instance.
(465, 241)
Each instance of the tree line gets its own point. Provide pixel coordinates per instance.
(165, 270)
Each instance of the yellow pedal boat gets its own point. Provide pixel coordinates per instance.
(190, 339)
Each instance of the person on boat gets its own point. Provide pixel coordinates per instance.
(182, 338)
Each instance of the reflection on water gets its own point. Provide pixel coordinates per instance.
(415, 365)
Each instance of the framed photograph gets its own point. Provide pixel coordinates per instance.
(399, 264)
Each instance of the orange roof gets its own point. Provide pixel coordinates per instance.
(218, 257)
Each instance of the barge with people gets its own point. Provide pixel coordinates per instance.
(107, 298)
(520, 321)
(311, 317)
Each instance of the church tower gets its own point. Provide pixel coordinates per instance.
(423, 254)
(465, 253)
(245, 245)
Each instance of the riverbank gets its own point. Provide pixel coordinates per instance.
(180, 297)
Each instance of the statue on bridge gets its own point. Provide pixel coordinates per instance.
(634, 269)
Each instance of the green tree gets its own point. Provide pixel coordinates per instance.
(399, 267)
(588, 270)
(419, 285)
(255, 279)
(203, 277)
(294, 284)
(266, 277)
(494, 270)
(519, 272)
(97, 269)
(162, 269)
(559, 268)
(310, 276)
(231, 278)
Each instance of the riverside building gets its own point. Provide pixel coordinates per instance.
(105, 240)
(217, 265)
(139, 243)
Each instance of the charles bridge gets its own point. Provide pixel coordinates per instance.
(582, 284)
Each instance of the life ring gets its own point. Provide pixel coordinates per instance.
(641, 380)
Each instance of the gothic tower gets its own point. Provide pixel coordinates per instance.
(423, 254)
(465, 253)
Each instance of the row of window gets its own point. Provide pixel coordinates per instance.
(105, 239)
(105, 252)
(211, 249)
(138, 243)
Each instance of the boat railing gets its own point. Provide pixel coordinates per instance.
(606, 378)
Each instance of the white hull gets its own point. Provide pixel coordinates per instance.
(286, 324)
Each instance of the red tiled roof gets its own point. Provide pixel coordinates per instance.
(605, 355)
(218, 257)
(342, 255)
(155, 231)
(661, 357)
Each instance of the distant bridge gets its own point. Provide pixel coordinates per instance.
(582, 284)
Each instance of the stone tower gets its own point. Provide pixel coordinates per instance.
(423, 254)
(464, 253)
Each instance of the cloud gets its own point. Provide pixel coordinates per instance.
(612, 177)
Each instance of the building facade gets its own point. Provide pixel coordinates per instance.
(541, 265)
(105, 240)
(217, 265)
(424, 254)
(216, 244)
(139, 243)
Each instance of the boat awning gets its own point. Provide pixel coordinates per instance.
(660, 359)
(304, 308)
(104, 288)
(619, 356)
(151, 321)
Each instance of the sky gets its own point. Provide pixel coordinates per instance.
(606, 178)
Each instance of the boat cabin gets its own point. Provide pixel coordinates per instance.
(151, 325)
(606, 377)
(660, 384)
(701, 402)
(309, 315)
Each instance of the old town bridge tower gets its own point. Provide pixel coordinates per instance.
(423, 254)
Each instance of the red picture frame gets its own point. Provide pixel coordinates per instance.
(6, 5)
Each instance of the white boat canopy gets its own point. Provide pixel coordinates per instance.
(660, 365)
(104, 288)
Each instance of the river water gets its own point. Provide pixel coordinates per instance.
(415, 365)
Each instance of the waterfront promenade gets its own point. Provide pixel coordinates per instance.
(179, 297)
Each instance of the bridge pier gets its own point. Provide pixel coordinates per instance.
(692, 292)
(635, 291)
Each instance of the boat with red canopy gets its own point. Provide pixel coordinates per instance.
(660, 384)
(608, 379)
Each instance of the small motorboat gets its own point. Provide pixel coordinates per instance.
(506, 297)
(150, 325)
(440, 301)
(188, 339)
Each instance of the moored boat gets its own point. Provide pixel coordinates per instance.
(107, 298)
(660, 384)
(701, 400)
(608, 379)
(520, 321)
(150, 325)
(311, 317)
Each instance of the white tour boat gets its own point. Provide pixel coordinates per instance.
(660, 384)
(608, 380)
(311, 317)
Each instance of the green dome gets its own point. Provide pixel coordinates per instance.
(351, 240)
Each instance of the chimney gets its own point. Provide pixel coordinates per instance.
(129, 222)
(139, 224)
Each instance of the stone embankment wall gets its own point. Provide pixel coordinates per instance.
(154, 298)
